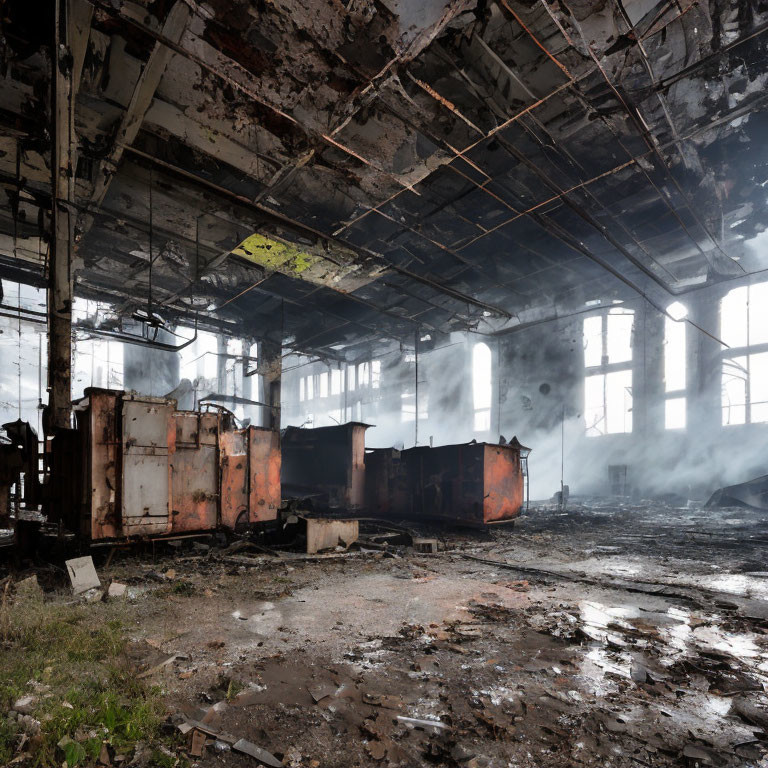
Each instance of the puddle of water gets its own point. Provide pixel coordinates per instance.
(619, 632)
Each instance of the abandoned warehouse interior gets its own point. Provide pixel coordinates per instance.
(383, 383)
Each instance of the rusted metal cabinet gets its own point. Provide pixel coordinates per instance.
(100, 428)
(326, 462)
(264, 461)
(471, 484)
(386, 482)
(146, 487)
(145, 469)
(193, 462)
(250, 476)
(233, 457)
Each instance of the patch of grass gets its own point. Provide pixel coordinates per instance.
(72, 658)
(233, 688)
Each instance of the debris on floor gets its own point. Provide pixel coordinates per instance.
(82, 574)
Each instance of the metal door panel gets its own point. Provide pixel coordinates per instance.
(194, 471)
(145, 488)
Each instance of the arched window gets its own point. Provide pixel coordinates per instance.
(482, 386)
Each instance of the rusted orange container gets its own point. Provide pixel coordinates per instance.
(470, 484)
(149, 470)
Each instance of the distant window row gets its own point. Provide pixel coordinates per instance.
(608, 342)
(337, 381)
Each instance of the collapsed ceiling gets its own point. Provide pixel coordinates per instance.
(336, 174)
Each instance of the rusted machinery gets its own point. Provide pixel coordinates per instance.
(135, 467)
(470, 484)
(18, 469)
(327, 464)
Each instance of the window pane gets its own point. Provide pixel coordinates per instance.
(336, 382)
(758, 314)
(618, 402)
(593, 340)
(301, 389)
(733, 317)
(208, 355)
(619, 335)
(376, 374)
(310, 387)
(674, 413)
(734, 390)
(482, 420)
(594, 404)
(363, 374)
(324, 384)
(758, 387)
(481, 376)
(674, 355)
(351, 378)
(407, 407)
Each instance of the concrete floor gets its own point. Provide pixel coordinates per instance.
(633, 635)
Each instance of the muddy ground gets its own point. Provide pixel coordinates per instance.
(618, 636)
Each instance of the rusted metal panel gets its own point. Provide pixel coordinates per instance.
(355, 493)
(101, 517)
(503, 482)
(194, 476)
(471, 484)
(447, 482)
(146, 484)
(326, 462)
(386, 484)
(233, 457)
(264, 462)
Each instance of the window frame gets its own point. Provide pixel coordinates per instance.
(605, 368)
(747, 351)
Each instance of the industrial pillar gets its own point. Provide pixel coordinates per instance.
(704, 365)
(271, 369)
(60, 258)
(648, 373)
(246, 365)
(221, 365)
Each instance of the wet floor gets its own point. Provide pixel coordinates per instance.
(598, 653)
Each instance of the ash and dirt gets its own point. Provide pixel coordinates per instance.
(635, 636)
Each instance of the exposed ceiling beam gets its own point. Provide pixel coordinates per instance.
(133, 116)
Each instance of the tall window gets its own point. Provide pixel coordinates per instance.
(744, 327)
(482, 387)
(608, 380)
(674, 367)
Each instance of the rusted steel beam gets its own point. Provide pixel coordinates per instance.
(271, 369)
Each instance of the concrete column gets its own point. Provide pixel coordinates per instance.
(247, 380)
(221, 365)
(271, 368)
(704, 369)
(648, 373)
(60, 257)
